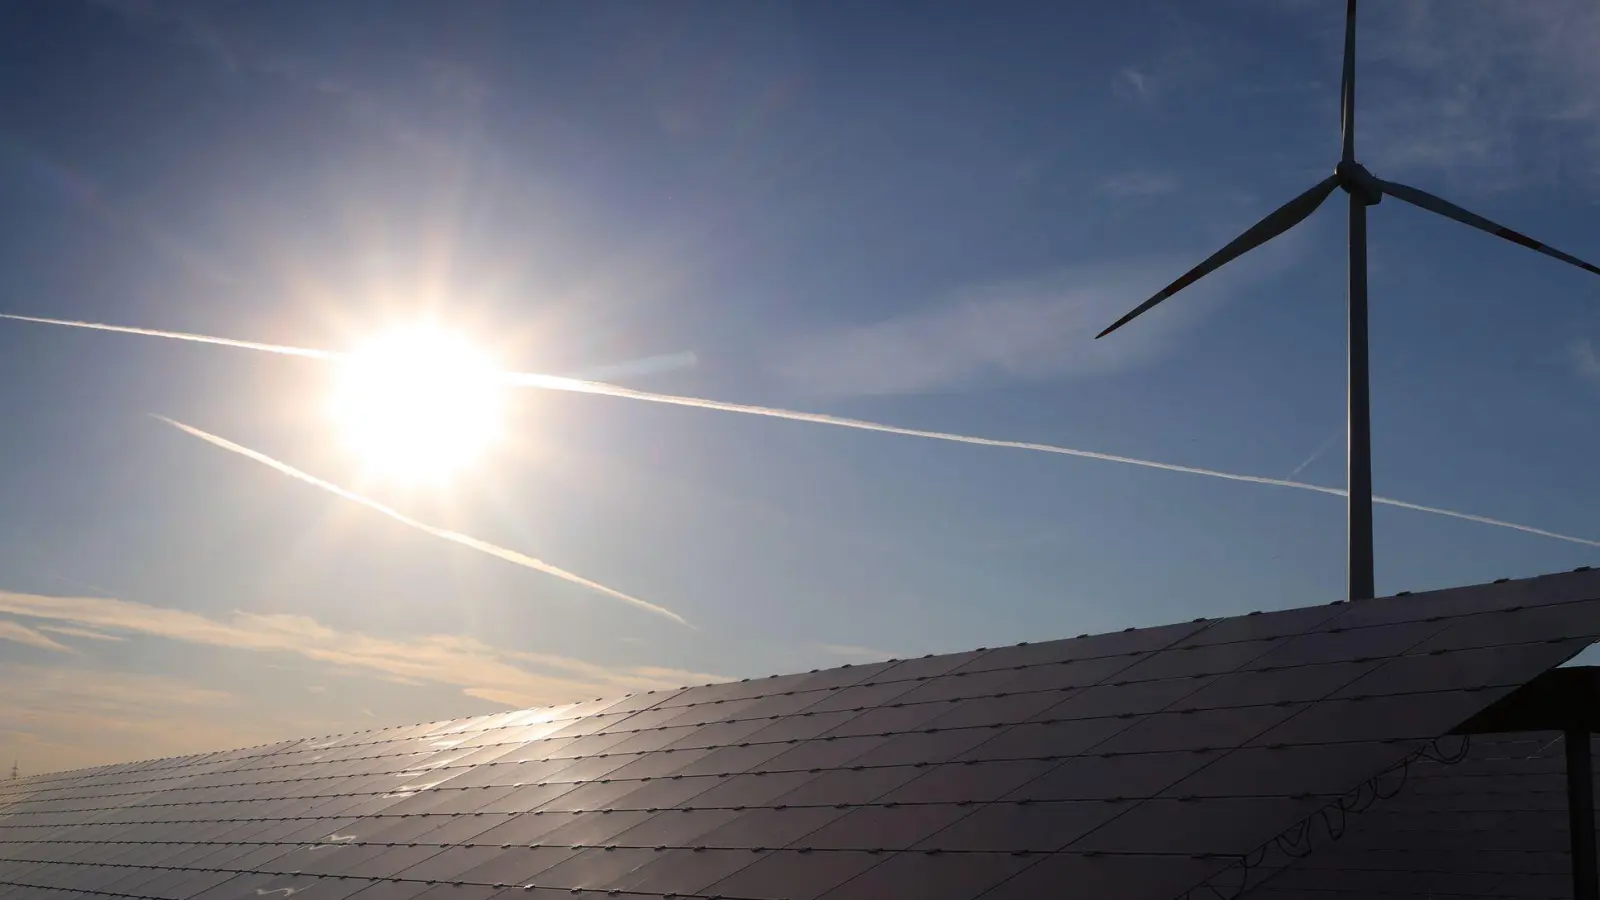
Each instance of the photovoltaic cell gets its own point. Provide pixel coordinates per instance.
(675, 826)
(924, 747)
(798, 874)
(1138, 764)
(1036, 827)
(666, 793)
(770, 828)
(885, 828)
(1493, 824)
(825, 753)
(684, 873)
(596, 868)
(1105, 875)
(930, 876)
(999, 710)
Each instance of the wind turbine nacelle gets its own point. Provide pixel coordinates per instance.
(1358, 182)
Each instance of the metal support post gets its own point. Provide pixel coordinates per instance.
(1580, 815)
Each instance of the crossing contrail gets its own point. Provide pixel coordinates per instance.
(582, 386)
(457, 537)
(1315, 455)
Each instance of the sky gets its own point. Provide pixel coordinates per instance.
(909, 214)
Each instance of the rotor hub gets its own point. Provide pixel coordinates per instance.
(1358, 182)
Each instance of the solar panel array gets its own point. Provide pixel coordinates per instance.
(1493, 825)
(1139, 764)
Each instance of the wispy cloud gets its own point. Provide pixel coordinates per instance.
(72, 631)
(18, 633)
(79, 190)
(516, 678)
(57, 717)
(1585, 360)
(237, 53)
(1028, 329)
(1139, 183)
(1485, 93)
(554, 382)
(1133, 84)
(455, 537)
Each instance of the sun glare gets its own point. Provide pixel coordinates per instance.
(418, 405)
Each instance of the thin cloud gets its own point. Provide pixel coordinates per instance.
(65, 718)
(1585, 360)
(1139, 184)
(240, 53)
(494, 695)
(650, 365)
(517, 678)
(1020, 330)
(82, 193)
(70, 631)
(456, 537)
(1134, 84)
(1492, 95)
(1023, 330)
(650, 677)
(558, 383)
(18, 633)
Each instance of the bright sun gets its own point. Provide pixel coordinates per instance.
(418, 405)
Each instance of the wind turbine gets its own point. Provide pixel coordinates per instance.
(1365, 189)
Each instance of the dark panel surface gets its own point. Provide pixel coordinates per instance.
(1138, 764)
(1491, 825)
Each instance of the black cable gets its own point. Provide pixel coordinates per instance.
(1299, 840)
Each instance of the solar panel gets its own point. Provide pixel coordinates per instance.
(1145, 763)
(1491, 824)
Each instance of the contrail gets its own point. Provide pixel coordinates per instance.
(558, 383)
(1485, 520)
(578, 385)
(464, 540)
(648, 366)
(185, 336)
(1313, 457)
(554, 382)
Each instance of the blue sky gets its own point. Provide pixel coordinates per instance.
(910, 214)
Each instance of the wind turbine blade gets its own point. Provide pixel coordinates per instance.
(1276, 222)
(1347, 86)
(1427, 201)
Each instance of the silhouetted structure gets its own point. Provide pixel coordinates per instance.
(1365, 190)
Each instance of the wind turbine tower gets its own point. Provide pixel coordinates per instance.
(1364, 189)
